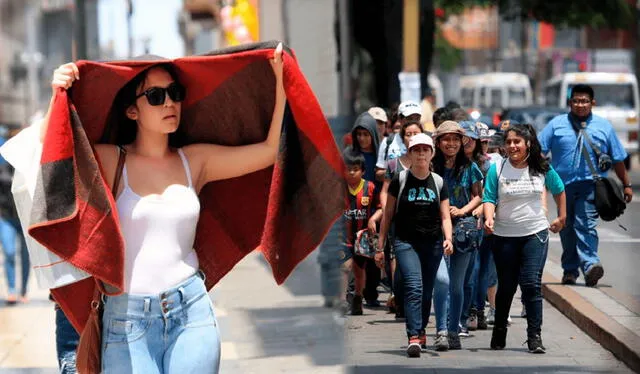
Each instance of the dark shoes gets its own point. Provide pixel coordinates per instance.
(482, 320)
(593, 275)
(499, 338)
(454, 342)
(535, 344)
(569, 279)
(356, 306)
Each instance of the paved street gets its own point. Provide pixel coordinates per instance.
(377, 345)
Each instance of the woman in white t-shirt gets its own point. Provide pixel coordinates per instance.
(515, 191)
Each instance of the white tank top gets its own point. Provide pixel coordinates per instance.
(159, 231)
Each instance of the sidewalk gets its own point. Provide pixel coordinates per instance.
(604, 313)
(265, 328)
(377, 345)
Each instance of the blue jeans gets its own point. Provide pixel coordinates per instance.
(579, 237)
(458, 263)
(441, 296)
(486, 276)
(521, 260)
(66, 343)
(470, 283)
(10, 230)
(174, 332)
(419, 263)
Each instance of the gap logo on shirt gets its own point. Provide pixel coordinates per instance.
(421, 194)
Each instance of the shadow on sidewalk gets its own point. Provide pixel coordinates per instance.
(385, 369)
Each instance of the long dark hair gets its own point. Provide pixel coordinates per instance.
(122, 130)
(461, 162)
(537, 163)
(477, 156)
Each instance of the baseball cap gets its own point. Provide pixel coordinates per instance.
(448, 127)
(496, 140)
(421, 138)
(407, 108)
(483, 130)
(469, 128)
(378, 113)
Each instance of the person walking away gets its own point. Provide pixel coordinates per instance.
(363, 213)
(464, 183)
(418, 202)
(560, 137)
(515, 192)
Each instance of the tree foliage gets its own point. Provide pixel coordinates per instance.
(614, 14)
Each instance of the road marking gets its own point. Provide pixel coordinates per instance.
(608, 240)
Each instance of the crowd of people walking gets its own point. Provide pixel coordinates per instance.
(454, 213)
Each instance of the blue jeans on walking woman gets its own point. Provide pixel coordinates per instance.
(174, 332)
(418, 261)
(10, 230)
(520, 260)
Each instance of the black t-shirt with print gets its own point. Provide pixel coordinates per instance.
(418, 215)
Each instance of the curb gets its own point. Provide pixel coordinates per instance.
(622, 342)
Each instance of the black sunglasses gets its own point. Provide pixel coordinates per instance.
(157, 95)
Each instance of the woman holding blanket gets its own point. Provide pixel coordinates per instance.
(418, 201)
(164, 320)
(515, 192)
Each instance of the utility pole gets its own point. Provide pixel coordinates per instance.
(129, 31)
(33, 58)
(345, 104)
(80, 30)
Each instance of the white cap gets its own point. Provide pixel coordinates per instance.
(408, 108)
(378, 113)
(421, 138)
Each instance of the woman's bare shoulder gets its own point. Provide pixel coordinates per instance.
(108, 157)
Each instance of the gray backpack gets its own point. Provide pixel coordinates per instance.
(403, 181)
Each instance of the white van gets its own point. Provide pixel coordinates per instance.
(495, 91)
(616, 97)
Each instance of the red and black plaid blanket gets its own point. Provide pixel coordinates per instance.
(283, 211)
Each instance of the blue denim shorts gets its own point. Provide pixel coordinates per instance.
(175, 331)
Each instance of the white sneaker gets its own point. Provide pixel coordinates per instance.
(491, 316)
(509, 321)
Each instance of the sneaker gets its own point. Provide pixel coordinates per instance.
(413, 349)
(463, 332)
(472, 321)
(509, 320)
(535, 344)
(482, 320)
(523, 312)
(423, 339)
(442, 342)
(454, 341)
(499, 338)
(356, 306)
(569, 279)
(593, 275)
(12, 299)
(391, 304)
(491, 316)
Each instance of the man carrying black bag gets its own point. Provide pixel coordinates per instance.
(584, 148)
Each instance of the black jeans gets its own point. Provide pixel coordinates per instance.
(520, 260)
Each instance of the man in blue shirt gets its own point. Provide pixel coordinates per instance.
(560, 137)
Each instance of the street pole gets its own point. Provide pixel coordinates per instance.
(33, 60)
(129, 31)
(80, 29)
(345, 105)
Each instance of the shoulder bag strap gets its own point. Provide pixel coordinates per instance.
(504, 161)
(116, 180)
(402, 177)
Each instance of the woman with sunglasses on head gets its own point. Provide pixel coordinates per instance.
(164, 320)
(515, 193)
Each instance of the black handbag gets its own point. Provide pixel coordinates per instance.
(466, 234)
(609, 194)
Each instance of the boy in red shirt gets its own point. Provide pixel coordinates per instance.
(363, 213)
